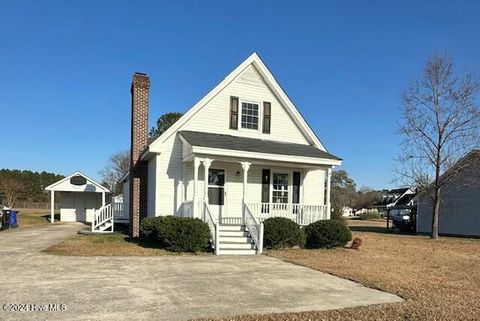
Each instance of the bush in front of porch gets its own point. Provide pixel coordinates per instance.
(177, 234)
(327, 234)
(281, 233)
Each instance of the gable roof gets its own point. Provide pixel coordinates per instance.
(270, 80)
(51, 187)
(256, 145)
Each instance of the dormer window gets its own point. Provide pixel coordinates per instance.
(250, 115)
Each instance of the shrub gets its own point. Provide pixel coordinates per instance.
(177, 234)
(280, 233)
(370, 215)
(327, 234)
(150, 226)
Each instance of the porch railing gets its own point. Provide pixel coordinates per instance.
(299, 213)
(255, 228)
(101, 216)
(119, 212)
(207, 217)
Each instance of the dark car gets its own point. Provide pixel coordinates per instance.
(403, 219)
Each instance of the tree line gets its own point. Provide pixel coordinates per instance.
(25, 185)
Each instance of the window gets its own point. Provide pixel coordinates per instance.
(280, 188)
(250, 115)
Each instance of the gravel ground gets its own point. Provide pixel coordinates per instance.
(439, 279)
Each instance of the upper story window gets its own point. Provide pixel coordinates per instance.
(250, 115)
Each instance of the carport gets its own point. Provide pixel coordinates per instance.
(79, 195)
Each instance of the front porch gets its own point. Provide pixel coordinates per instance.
(232, 193)
(237, 181)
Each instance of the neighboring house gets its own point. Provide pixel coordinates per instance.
(243, 153)
(347, 211)
(459, 209)
(395, 197)
(80, 196)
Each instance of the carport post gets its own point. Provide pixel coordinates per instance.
(52, 206)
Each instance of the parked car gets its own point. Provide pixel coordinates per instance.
(403, 219)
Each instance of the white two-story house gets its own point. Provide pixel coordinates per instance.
(241, 154)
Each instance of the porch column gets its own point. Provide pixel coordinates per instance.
(52, 206)
(246, 167)
(196, 163)
(206, 166)
(329, 178)
(103, 199)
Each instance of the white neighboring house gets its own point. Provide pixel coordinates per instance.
(80, 197)
(347, 212)
(242, 154)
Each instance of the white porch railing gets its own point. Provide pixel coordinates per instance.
(255, 228)
(103, 219)
(119, 212)
(207, 217)
(299, 213)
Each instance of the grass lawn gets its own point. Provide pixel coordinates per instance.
(32, 217)
(116, 244)
(439, 279)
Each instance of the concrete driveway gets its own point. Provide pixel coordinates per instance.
(160, 288)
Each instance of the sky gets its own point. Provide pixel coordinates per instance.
(66, 68)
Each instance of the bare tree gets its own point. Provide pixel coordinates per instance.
(439, 125)
(118, 165)
(10, 188)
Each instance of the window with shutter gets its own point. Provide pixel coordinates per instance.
(267, 111)
(233, 112)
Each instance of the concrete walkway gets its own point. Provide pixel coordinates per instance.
(161, 288)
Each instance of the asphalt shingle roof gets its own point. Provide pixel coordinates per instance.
(253, 145)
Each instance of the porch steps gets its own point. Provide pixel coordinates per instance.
(235, 240)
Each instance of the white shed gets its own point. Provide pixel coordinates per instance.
(80, 197)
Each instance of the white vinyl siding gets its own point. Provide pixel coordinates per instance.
(215, 118)
(151, 182)
(249, 87)
(314, 186)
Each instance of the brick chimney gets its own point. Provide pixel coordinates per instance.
(139, 140)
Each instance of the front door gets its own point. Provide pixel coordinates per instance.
(216, 192)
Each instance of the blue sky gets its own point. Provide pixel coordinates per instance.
(66, 68)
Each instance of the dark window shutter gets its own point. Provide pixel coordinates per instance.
(233, 112)
(265, 186)
(296, 188)
(267, 116)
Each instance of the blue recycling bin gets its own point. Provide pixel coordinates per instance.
(13, 219)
